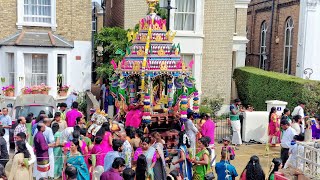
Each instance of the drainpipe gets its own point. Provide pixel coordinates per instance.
(271, 33)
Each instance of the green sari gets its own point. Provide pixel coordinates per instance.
(29, 130)
(58, 159)
(201, 170)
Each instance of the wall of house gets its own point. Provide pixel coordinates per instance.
(74, 19)
(8, 18)
(217, 58)
(260, 12)
(133, 12)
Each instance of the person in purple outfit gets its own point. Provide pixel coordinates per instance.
(118, 166)
(316, 128)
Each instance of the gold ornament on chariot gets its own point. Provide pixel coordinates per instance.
(146, 26)
(156, 26)
(158, 38)
(140, 52)
(163, 66)
(161, 52)
(143, 38)
(136, 66)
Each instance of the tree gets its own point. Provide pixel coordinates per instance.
(113, 40)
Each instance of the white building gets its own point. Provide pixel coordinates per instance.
(308, 60)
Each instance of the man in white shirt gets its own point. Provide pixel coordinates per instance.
(287, 137)
(6, 122)
(299, 111)
(22, 137)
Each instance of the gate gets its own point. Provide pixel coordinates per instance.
(222, 130)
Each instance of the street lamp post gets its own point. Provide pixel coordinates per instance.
(168, 8)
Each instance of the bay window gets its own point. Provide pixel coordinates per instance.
(184, 16)
(36, 69)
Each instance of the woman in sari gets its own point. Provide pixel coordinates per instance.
(160, 166)
(185, 164)
(82, 143)
(19, 169)
(75, 158)
(202, 159)
(150, 153)
(106, 135)
(57, 151)
(274, 127)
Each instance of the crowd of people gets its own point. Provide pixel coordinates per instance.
(63, 148)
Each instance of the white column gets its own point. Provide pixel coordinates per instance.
(52, 73)
(198, 70)
(309, 37)
(19, 76)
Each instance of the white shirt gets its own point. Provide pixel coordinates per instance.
(292, 160)
(296, 127)
(299, 111)
(190, 128)
(31, 152)
(287, 137)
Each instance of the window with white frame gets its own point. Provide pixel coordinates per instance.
(11, 68)
(187, 58)
(184, 15)
(288, 46)
(36, 69)
(62, 68)
(263, 45)
(37, 11)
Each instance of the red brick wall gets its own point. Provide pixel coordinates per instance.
(114, 14)
(260, 11)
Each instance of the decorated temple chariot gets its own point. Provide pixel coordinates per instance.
(152, 80)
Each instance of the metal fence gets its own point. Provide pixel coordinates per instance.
(309, 159)
(222, 130)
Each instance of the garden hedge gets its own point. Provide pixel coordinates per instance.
(255, 86)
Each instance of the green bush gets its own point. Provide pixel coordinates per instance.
(255, 86)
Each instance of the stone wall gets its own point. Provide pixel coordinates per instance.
(8, 17)
(218, 42)
(134, 11)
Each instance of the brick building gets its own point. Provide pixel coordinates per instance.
(287, 42)
(45, 41)
(279, 52)
(212, 32)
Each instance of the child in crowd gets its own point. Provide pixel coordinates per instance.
(227, 148)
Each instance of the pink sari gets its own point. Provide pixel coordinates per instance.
(274, 125)
(133, 118)
(105, 145)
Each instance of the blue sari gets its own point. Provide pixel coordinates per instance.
(185, 166)
(79, 163)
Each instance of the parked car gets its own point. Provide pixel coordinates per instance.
(31, 103)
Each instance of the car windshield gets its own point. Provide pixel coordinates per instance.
(25, 110)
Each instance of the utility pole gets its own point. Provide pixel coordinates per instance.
(168, 8)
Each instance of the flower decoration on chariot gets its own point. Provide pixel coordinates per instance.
(158, 38)
(136, 66)
(163, 66)
(161, 52)
(143, 38)
(140, 52)
(171, 35)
